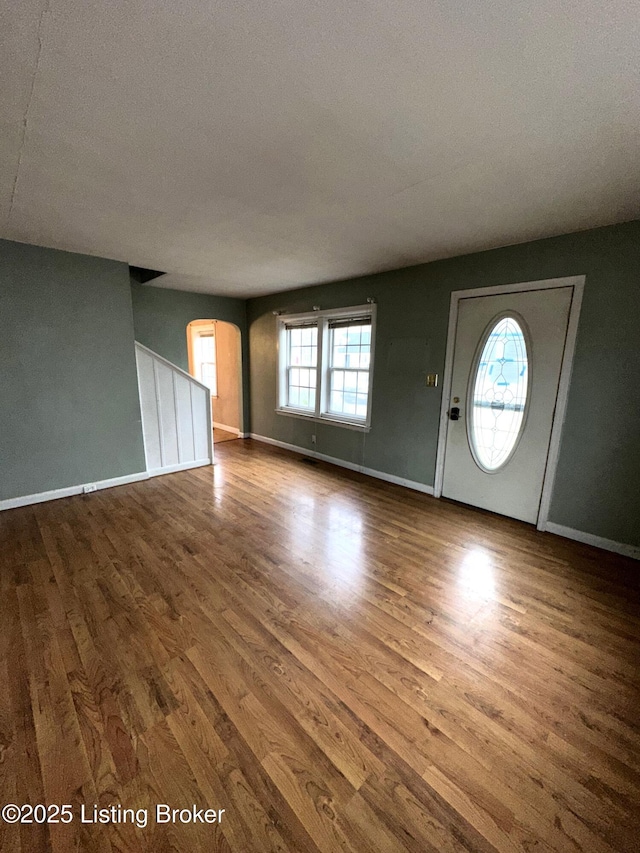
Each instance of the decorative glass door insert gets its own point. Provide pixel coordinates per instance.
(499, 393)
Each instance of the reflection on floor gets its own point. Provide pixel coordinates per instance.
(341, 664)
(222, 435)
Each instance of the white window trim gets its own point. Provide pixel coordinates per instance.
(320, 415)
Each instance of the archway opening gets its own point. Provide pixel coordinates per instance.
(215, 360)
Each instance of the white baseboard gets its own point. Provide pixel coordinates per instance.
(622, 548)
(182, 466)
(626, 550)
(578, 535)
(352, 466)
(55, 494)
(121, 481)
(226, 428)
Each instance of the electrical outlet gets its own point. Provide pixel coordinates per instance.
(90, 487)
(313, 439)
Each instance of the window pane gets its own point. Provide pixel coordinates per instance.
(305, 398)
(339, 356)
(204, 352)
(361, 405)
(204, 347)
(349, 407)
(302, 348)
(353, 357)
(208, 376)
(499, 394)
(207, 347)
(349, 369)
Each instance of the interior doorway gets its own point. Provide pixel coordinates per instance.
(215, 360)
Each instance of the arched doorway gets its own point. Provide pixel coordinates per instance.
(215, 360)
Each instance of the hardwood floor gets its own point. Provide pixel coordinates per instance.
(338, 663)
(223, 435)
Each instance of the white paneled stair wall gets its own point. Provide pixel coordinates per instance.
(176, 415)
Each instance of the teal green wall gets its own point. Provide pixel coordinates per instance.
(69, 410)
(69, 406)
(161, 317)
(596, 487)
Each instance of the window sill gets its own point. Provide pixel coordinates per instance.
(292, 413)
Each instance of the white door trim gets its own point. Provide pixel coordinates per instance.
(577, 283)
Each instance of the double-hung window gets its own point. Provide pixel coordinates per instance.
(348, 369)
(205, 359)
(301, 365)
(325, 365)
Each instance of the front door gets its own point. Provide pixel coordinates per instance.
(506, 370)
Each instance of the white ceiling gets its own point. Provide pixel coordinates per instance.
(251, 146)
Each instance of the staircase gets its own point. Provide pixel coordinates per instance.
(176, 415)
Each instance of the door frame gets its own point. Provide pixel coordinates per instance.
(576, 282)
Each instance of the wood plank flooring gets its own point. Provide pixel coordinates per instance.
(223, 435)
(338, 663)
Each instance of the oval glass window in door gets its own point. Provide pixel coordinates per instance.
(498, 398)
